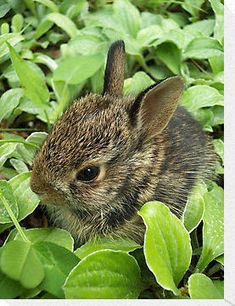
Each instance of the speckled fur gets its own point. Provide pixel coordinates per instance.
(97, 129)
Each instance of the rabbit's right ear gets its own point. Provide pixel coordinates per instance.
(114, 71)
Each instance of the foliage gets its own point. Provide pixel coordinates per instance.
(54, 51)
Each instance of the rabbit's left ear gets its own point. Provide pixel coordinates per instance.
(114, 71)
(154, 107)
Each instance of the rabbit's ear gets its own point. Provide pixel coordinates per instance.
(114, 71)
(154, 107)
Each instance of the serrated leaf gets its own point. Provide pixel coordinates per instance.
(78, 68)
(7, 198)
(25, 267)
(199, 96)
(58, 262)
(202, 287)
(194, 208)
(213, 227)
(104, 275)
(55, 235)
(36, 90)
(91, 246)
(139, 82)
(167, 245)
(26, 199)
(203, 48)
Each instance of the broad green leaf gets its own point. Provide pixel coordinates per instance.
(7, 199)
(4, 8)
(167, 245)
(91, 246)
(213, 227)
(25, 267)
(148, 35)
(27, 152)
(199, 96)
(220, 259)
(57, 262)
(78, 69)
(43, 27)
(205, 27)
(203, 48)
(202, 287)
(12, 39)
(26, 199)
(128, 16)
(9, 288)
(219, 148)
(19, 165)
(170, 55)
(50, 4)
(64, 23)
(17, 23)
(9, 101)
(55, 235)
(218, 8)
(36, 90)
(139, 82)
(193, 7)
(194, 208)
(6, 151)
(217, 64)
(104, 274)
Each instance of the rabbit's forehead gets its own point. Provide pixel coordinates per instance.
(88, 135)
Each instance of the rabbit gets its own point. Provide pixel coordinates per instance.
(109, 154)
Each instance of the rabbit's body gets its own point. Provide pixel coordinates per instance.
(139, 158)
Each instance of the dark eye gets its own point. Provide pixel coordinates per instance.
(88, 174)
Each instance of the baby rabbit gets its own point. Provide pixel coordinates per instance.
(109, 154)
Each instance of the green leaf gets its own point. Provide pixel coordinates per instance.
(219, 148)
(170, 55)
(220, 259)
(128, 16)
(64, 23)
(9, 288)
(6, 195)
(202, 287)
(194, 208)
(218, 8)
(193, 7)
(213, 227)
(139, 82)
(167, 246)
(55, 235)
(9, 101)
(57, 262)
(78, 68)
(104, 275)
(25, 267)
(199, 96)
(36, 90)
(26, 199)
(17, 23)
(148, 35)
(12, 39)
(203, 48)
(6, 151)
(120, 244)
(4, 9)
(19, 165)
(48, 3)
(205, 27)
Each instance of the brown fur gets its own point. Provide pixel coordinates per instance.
(141, 163)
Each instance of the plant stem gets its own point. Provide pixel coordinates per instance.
(13, 218)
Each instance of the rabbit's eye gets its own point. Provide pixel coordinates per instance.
(88, 174)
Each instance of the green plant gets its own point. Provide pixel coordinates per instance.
(60, 47)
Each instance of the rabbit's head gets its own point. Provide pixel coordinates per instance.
(97, 157)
